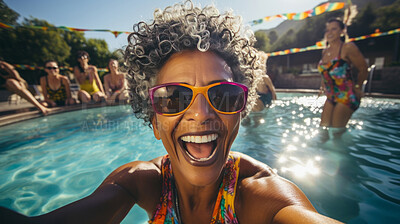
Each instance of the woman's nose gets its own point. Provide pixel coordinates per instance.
(200, 110)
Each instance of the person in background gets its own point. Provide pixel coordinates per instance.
(88, 79)
(265, 88)
(55, 87)
(115, 84)
(266, 91)
(15, 84)
(343, 94)
(191, 73)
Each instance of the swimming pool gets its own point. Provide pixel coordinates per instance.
(48, 162)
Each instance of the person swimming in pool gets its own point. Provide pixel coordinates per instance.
(193, 74)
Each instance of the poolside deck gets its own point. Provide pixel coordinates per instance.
(11, 112)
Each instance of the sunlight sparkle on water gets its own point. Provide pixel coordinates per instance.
(291, 148)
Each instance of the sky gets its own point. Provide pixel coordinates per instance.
(121, 15)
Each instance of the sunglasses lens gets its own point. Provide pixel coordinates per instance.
(171, 99)
(227, 97)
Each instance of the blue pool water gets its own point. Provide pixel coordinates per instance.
(48, 162)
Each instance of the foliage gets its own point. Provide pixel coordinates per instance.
(7, 15)
(98, 51)
(273, 36)
(388, 17)
(262, 42)
(286, 41)
(76, 41)
(33, 46)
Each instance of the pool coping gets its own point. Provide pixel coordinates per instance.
(26, 111)
(30, 112)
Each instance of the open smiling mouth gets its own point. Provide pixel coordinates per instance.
(199, 148)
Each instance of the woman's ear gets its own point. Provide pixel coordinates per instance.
(155, 128)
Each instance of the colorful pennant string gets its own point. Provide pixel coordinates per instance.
(32, 67)
(326, 7)
(321, 45)
(70, 29)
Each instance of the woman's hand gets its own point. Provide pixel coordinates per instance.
(51, 103)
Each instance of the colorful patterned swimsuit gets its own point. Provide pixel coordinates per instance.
(224, 211)
(339, 86)
(58, 96)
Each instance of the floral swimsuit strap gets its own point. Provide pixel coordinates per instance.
(332, 63)
(224, 211)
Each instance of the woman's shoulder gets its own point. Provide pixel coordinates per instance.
(43, 78)
(349, 46)
(107, 77)
(64, 79)
(261, 189)
(250, 167)
(92, 67)
(136, 176)
(136, 169)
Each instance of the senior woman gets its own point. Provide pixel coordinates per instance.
(191, 73)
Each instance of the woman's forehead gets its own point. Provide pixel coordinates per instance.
(193, 67)
(51, 63)
(333, 24)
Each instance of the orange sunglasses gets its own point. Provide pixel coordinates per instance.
(172, 99)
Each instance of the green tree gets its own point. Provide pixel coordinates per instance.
(262, 42)
(98, 51)
(76, 41)
(31, 46)
(28, 44)
(286, 41)
(7, 15)
(273, 36)
(24, 45)
(388, 17)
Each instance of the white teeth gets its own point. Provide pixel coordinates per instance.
(199, 139)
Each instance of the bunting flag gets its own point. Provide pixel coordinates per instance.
(326, 7)
(32, 67)
(65, 28)
(321, 45)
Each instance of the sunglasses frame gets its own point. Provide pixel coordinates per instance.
(51, 68)
(198, 90)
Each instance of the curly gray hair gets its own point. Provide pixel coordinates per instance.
(186, 27)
